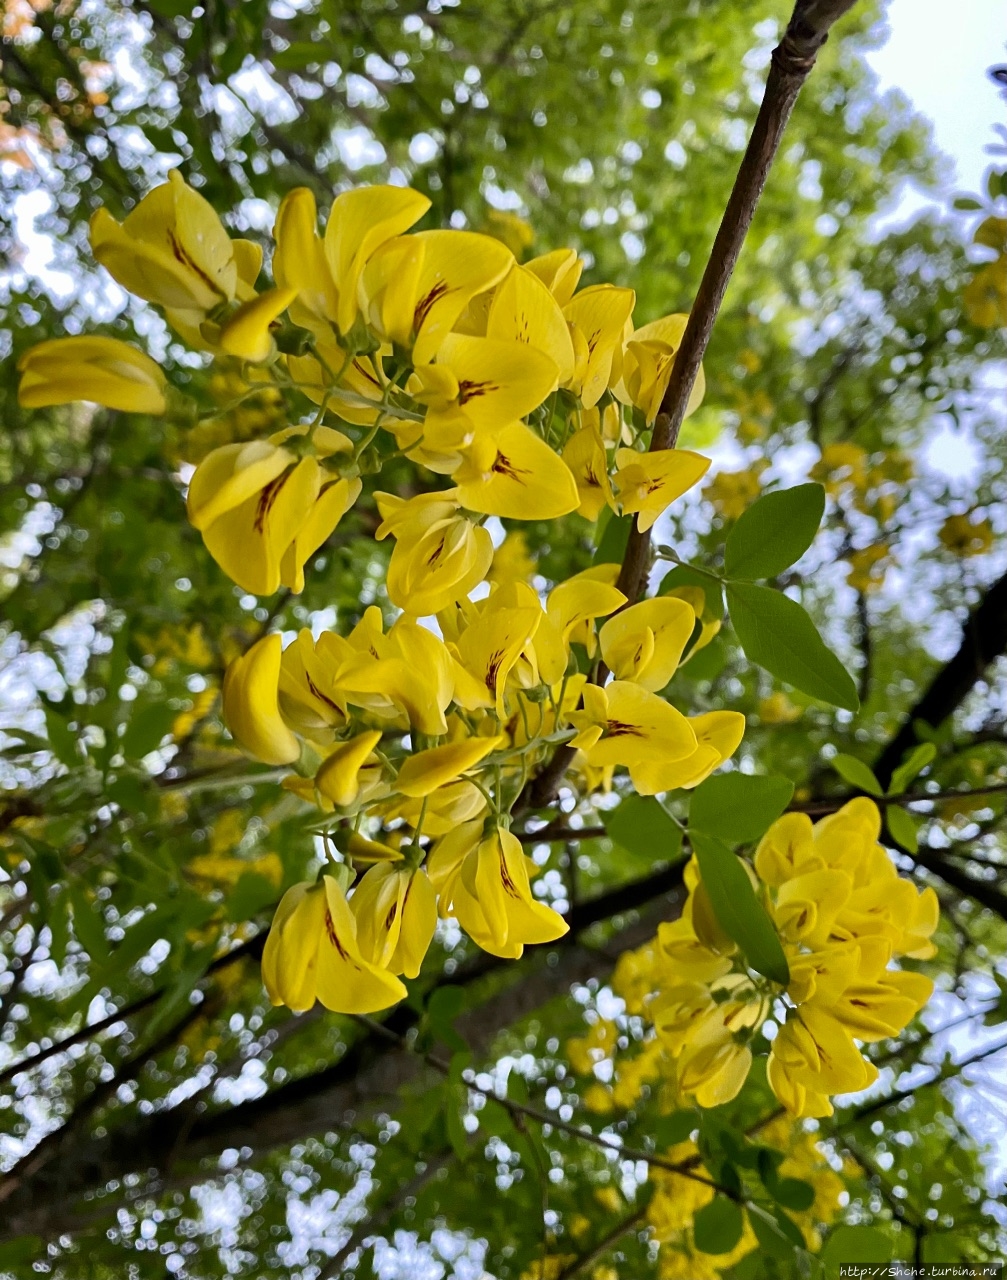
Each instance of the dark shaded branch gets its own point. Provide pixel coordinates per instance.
(985, 892)
(983, 641)
(366, 1076)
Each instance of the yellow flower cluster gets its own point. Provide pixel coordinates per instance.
(435, 345)
(433, 739)
(517, 396)
(843, 914)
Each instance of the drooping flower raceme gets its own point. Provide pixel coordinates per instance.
(514, 395)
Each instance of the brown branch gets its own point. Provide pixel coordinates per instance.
(904, 798)
(984, 639)
(363, 1078)
(792, 60)
(580, 1264)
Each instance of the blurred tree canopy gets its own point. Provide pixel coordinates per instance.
(158, 1115)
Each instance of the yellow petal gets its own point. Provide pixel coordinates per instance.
(559, 271)
(251, 710)
(247, 334)
(649, 482)
(524, 311)
(360, 221)
(425, 771)
(584, 454)
(346, 982)
(526, 480)
(104, 371)
(250, 541)
(662, 627)
(338, 776)
(290, 956)
(599, 314)
(456, 266)
(332, 504)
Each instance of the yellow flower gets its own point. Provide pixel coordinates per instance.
(918, 926)
(584, 454)
(524, 311)
(409, 671)
(263, 513)
(570, 612)
(515, 232)
(489, 648)
(807, 905)
(312, 953)
(598, 317)
(964, 536)
(645, 642)
(812, 1057)
(361, 221)
(396, 912)
(439, 556)
(841, 464)
(714, 1066)
(414, 292)
(477, 387)
(251, 709)
(247, 334)
(172, 249)
(984, 298)
(649, 482)
(624, 724)
(104, 371)
(559, 271)
(778, 709)
(718, 735)
(299, 263)
(647, 366)
(338, 778)
(308, 698)
(425, 771)
(493, 902)
(517, 476)
(868, 568)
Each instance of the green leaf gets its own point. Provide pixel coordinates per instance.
(717, 1227)
(857, 1244)
(774, 532)
(777, 1234)
(457, 1103)
(24, 1249)
(443, 1007)
(738, 909)
(902, 828)
(643, 827)
(612, 545)
(147, 726)
(252, 893)
(857, 774)
(914, 764)
(88, 923)
(668, 1131)
(776, 633)
(62, 738)
(967, 204)
(738, 807)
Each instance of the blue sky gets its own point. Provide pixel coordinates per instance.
(938, 55)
